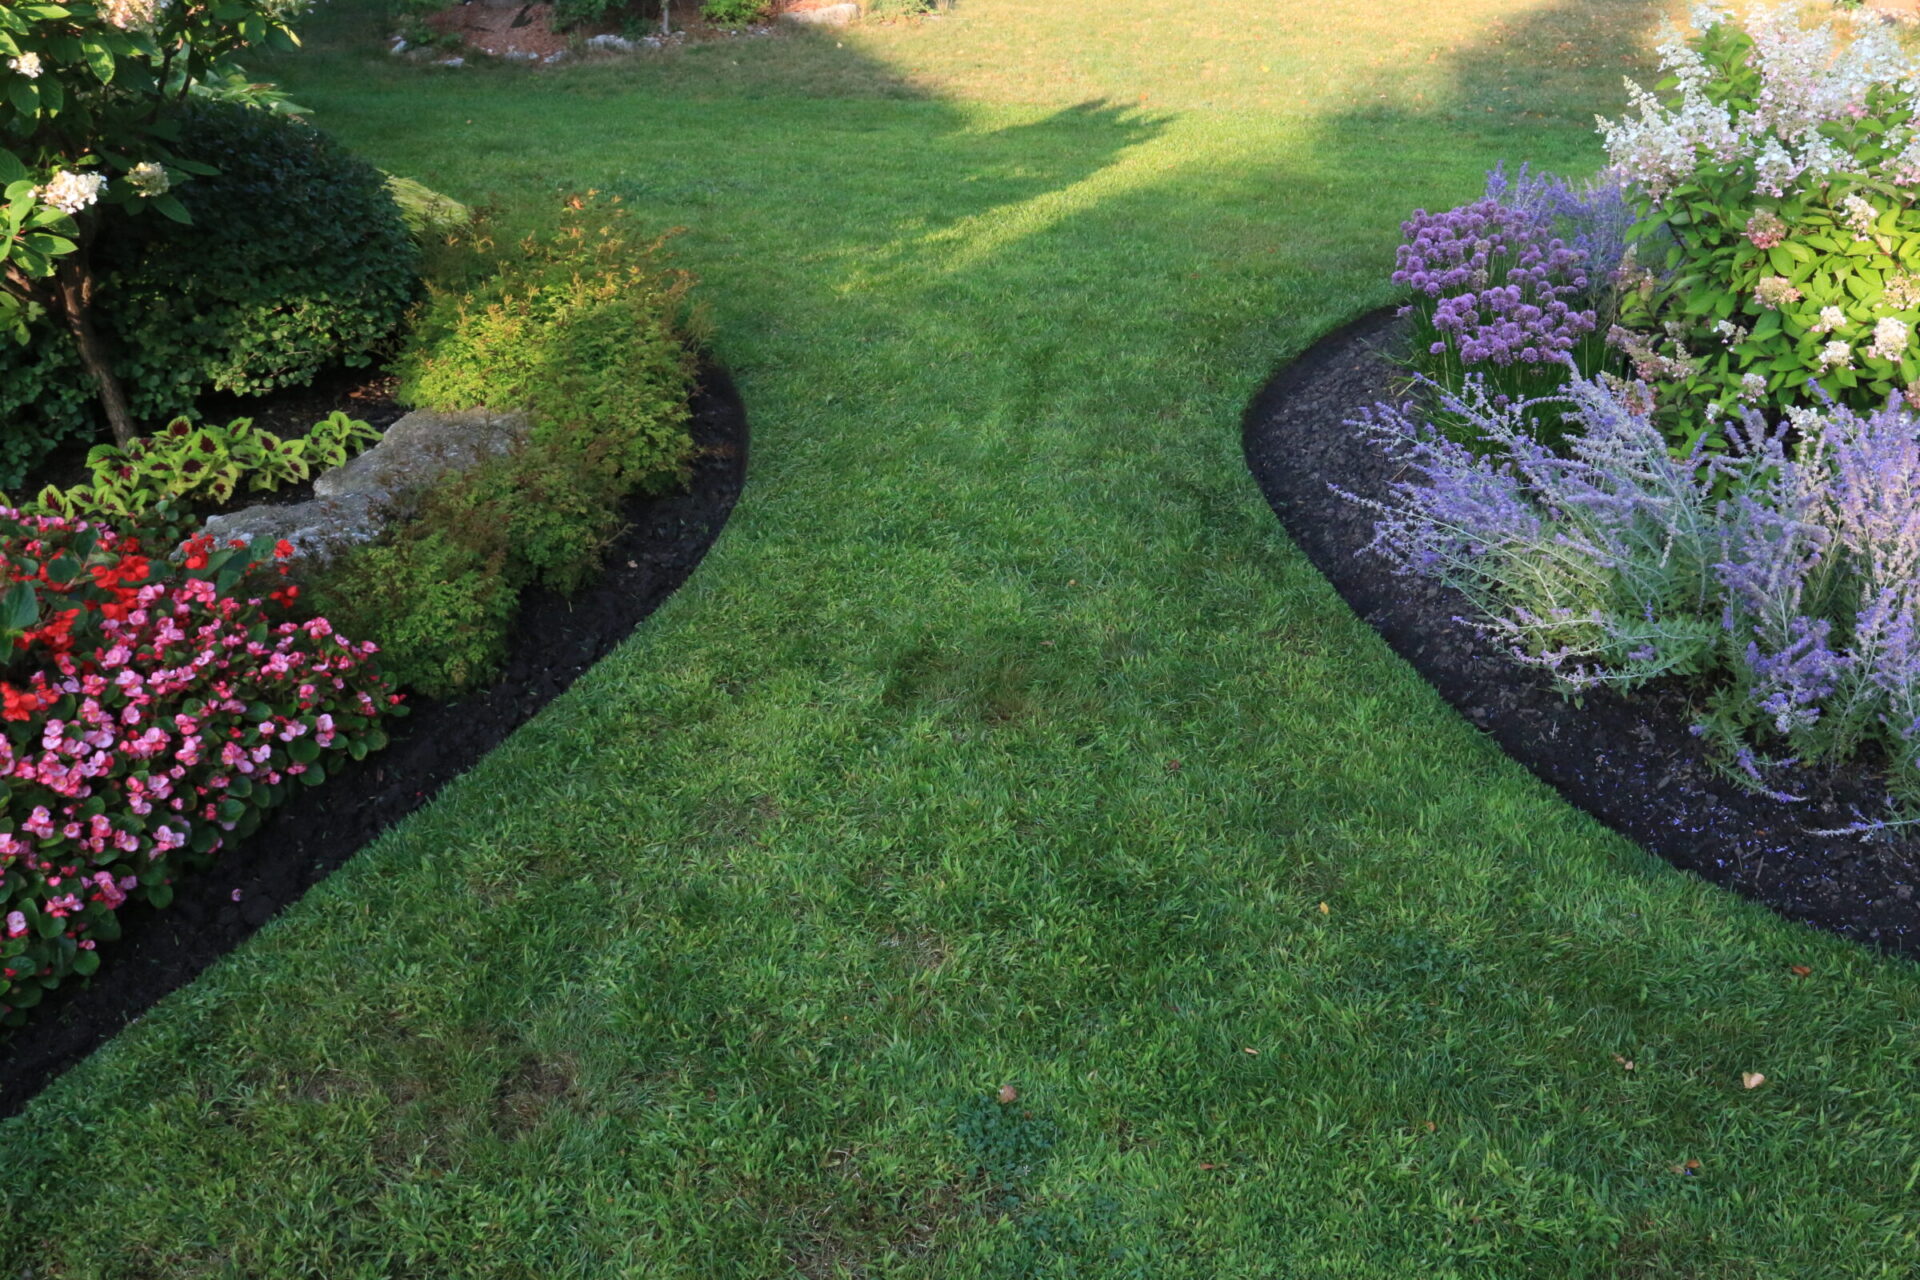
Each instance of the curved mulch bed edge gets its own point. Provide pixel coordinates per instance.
(318, 830)
(1629, 762)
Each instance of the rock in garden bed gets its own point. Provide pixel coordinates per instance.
(317, 830)
(354, 503)
(1630, 761)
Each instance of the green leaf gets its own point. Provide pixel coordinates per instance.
(19, 609)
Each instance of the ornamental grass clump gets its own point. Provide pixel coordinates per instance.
(1784, 573)
(149, 716)
(1776, 182)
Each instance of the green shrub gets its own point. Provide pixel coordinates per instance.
(438, 610)
(426, 212)
(733, 13)
(571, 13)
(297, 258)
(581, 329)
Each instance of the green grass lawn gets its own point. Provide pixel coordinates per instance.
(1002, 739)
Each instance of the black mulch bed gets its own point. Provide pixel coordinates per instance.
(1630, 762)
(319, 829)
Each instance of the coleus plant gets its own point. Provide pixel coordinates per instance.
(188, 462)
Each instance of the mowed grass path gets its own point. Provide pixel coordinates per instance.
(1003, 739)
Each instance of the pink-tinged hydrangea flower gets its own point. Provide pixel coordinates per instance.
(1773, 292)
(1889, 339)
(1765, 229)
(1858, 216)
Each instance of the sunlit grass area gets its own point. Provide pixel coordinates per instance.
(1002, 740)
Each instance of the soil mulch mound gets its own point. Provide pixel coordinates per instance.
(1631, 761)
(317, 830)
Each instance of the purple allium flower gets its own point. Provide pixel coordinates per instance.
(1499, 285)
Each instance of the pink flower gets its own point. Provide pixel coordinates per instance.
(16, 924)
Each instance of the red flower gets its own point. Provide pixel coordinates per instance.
(19, 706)
(282, 549)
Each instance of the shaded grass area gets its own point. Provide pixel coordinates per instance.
(1001, 740)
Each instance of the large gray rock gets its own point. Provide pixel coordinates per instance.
(356, 502)
(833, 15)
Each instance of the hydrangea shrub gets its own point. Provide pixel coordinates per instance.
(89, 95)
(153, 716)
(1779, 173)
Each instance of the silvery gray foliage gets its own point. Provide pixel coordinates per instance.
(1785, 573)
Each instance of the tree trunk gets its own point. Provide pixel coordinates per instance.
(666, 17)
(76, 301)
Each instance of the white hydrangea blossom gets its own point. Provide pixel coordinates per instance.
(27, 64)
(1889, 339)
(1832, 320)
(1753, 386)
(70, 191)
(1858, 216)
(149, 179)
(1836, 355)
(1810, 76)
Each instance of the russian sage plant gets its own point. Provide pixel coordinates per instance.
(1784, 573)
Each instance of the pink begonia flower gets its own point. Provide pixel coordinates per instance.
(16, 924)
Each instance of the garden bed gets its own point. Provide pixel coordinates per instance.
(1631, 763)
(316, 831)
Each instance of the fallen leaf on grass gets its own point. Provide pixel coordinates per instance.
(1626, 1064)
(1325, 909)
(1008, 1094)
(1208, 1167)
(1688, 1169)
(1799, 970)
(1250, 1051)
(1752, 1079)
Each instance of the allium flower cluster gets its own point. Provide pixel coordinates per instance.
(127, 757)
(1502, 286)
(70, 191)
(1594, 217)
(1787, 572)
